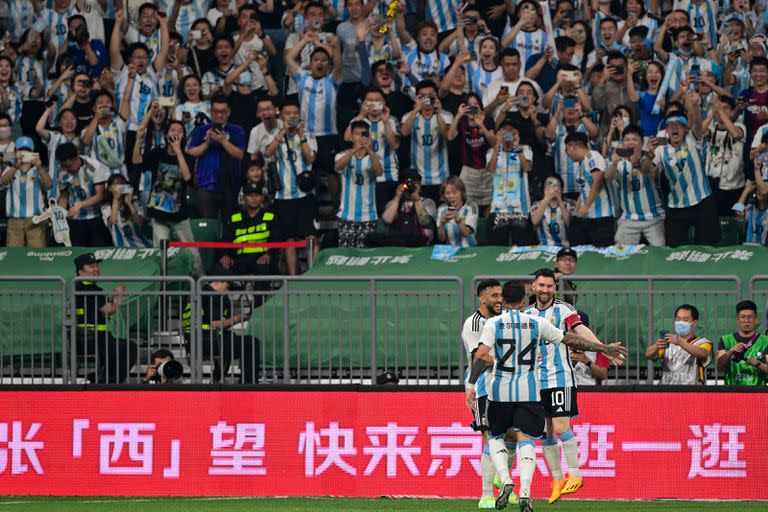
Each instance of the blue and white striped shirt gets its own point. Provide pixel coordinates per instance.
(22, 15)
(552, 229)
(515, 339)
(82, 185)
(290, 163)
(467, 213)
(56, 22)
(56, 140)
(510, 182)
(529, 43)
(424, 65)
(383, 149)
(443, 13)
(470, 335)
(429, 149)
(113, 136)
(144, 91)
(132, 35)
(317, 98)
(188, 14)
(602, 206)
(685, 172)
(358, 190)
(564, 165)
(125, 233)
(757, 225)
(24, 197)
(555, 369)
(25, 78)
(703, 17)
(479, 79)
(638, 195)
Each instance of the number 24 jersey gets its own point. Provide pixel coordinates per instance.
(515, 338)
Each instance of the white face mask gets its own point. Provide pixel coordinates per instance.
(625, 120)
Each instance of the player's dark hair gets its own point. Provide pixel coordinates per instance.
(544, 272)
(578, 138)
(562, 43)
(746, 305)
(362, 125)
(220, 99)
(290, 103)
(147, 5)
(727, 100)
(758, 61)
(694, 310)
(105, 93)
(639, 31)
(313, 4)
(425, 84)
(137, 46)
(510, 52)
(223, 37)
(609, 19)
(632, 128)
(513, 292)
(65, 152)
(485, 284)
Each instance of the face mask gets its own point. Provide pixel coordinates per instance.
(682, 328)
(245, 78)
(680, 51)
(625, 120)
(5, 132)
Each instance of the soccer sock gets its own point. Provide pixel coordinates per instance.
(527, 465)
(499, 457)
(571, 450)
(511, 453)
(487, 470)
(551, 451)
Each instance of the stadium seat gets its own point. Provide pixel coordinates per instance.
(482, 231)
(731, 231)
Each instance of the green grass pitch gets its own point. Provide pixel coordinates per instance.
(105, 504)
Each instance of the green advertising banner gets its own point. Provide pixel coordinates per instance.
(31, 311)
(620, 309)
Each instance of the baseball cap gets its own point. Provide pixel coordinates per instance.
(25, 143)
(386, 377)
(407, 174)
(253, 187)
(567, 251)
(86, 259)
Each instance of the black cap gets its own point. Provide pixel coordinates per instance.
(219, 270)
(567, 251)
(412, 174)
(253, 187)
(387, 377)
(86, 259)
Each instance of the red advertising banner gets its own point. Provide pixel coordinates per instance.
(190, 443)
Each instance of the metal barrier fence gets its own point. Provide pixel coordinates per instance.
(311, 329)
(633, 309)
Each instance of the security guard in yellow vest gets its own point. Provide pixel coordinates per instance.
(114, 358)
(252, 224)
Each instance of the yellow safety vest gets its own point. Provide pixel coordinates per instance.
(255, 233)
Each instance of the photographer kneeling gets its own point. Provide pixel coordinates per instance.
(164, 369)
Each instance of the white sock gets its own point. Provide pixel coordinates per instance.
(499, 457)
(488, 471)
(571, 450)
(551, 451)
(527, 465)
(511, 453)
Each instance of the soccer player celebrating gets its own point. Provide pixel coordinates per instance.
(489, 295)
(558, 384)
(511, 342)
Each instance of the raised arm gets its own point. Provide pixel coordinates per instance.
(115, 57)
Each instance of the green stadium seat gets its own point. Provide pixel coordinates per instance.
(731, 231)
(206, 230)
(481, 235)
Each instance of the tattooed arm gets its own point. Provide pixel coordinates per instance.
(581, 343)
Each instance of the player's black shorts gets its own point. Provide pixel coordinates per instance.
(560, 402)
(481, 414)
(526, 417)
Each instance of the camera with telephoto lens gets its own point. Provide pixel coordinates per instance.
(169, 372)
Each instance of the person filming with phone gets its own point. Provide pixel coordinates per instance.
(684, 354)
(613, 90)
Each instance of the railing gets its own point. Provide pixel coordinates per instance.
(312, 329)
(633, 309)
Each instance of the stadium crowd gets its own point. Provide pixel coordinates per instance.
(567, 123)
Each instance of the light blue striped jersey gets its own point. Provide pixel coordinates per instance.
(443, 13)
(685, 172)
(468, 213)
(358, 190)
(290, 163)
(383, 149)
(108, 146)
(132, 35)
(555, 369)
(56, 22)
(529, 43)
(638, 195)
(510, 183)
(193, 114)
(188, 14)
(429, 149)
(215, 78)
(317, 98)
(479, 78)
(552, 229)
(82, 185)
(602, 206)
(757, 225)
(703, 17)
(516, 339)
(144, 91)
(14, 98)
(168, 83)
(125, 233)
(22, 15)
(25, 80)
(341, 9)
(470, 336)
(565, 167)
(54, 142)
(24, 196)
(424, 65)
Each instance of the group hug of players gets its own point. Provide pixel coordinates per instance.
(521, 384)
